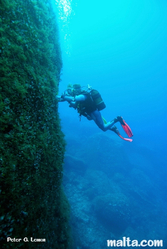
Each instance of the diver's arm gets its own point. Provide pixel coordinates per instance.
(70, 100)
(77, 99)
(73, 104)
(80, 98)
(59, 98)
(73, 100)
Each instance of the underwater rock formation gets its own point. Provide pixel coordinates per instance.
(75, 164)
(31, 142)
(113, 211)
(112, 196)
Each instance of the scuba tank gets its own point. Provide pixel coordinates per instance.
(97, 99)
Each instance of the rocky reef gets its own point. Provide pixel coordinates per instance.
(32, 145)
(114, 189)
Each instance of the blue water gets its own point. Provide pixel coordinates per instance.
(119, 48)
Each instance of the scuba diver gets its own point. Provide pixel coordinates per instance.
(89, 103)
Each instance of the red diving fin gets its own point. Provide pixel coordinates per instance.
(125, 126)
(126, 139)
(114, 129)
(127, 129)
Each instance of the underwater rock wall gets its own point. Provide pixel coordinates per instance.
(31, 142)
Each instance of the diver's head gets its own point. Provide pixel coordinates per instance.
(77, 89)
(70, 89)
(74, 90)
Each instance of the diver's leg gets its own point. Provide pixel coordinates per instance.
(119, 119)
(96, 116)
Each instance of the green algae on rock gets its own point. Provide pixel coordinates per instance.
(31, 142)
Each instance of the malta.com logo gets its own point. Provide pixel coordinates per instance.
(127, 242)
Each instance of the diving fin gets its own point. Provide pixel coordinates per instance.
(125, 126)
(114, 129)
(126, 139)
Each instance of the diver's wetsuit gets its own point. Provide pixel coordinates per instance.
(91, 110)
